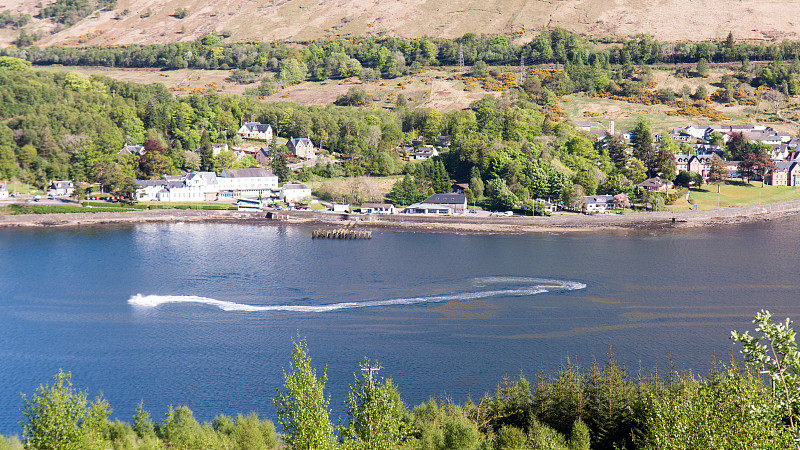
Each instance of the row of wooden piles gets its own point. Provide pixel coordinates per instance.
(341, 233)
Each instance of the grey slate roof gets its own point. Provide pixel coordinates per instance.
(447, 199)
(250, 172)
(294, 185)
(257, 126)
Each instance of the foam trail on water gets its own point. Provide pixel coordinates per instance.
(533, 286)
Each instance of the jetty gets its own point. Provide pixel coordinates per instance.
(347, 232)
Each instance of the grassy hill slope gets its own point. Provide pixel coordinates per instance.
(154, 21)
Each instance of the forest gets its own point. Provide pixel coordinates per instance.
(371, 58)
(511, 150)
(740, 405)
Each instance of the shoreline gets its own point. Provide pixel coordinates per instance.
(566, 223)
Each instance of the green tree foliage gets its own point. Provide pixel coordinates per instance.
(475, 182)
(59, 417)
(11, 63)
(377, 416)
(303, 407)
(717, 172)
(292, 72)
(354, 97)
(142, 423)
(642, 142)
(775, 351)
(500, 196)
(405, 192)
(280, 165)
(702, 68)
(730, 409)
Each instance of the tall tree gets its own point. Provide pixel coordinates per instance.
(279, 165)
(617, 150)
(643, 149)
(718, 172)
(303, 408)
(206, 153)
(666, 163)
(738, 146)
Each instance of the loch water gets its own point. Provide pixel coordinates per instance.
(204, 315)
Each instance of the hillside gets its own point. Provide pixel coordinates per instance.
(154, 21)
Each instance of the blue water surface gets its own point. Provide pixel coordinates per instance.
(450, 315)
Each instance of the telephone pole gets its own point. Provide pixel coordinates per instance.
(521, 68)
(370, 369)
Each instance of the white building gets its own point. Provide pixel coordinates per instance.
(256, 130)
(428, 208)
(294, 192)
(3, 190)
(207, 186)
(599, 203)
(250, 182)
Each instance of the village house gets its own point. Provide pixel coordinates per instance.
(701, 164)
(457, 202)
(3, 191)
(549, 207)
(59, 188)
(301, 147)
(682, 162)
(294, 192)
(262, 156)
(786, 174)
(445, 141)
(654, 184)
(377, 208)
(216, 149)
(428, 208)
(459, 188)
(733, 169)
(135, 150)
(423, 153)
(583, 125)
(598, 203)
(255, 130)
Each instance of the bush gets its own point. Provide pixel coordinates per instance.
(181, 13)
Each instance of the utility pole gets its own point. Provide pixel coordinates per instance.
(370, 369)
(460, 58)
(521, 68)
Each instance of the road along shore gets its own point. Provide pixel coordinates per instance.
(419, 223)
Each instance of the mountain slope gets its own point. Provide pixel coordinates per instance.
(153, 21)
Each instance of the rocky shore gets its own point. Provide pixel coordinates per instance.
(402, 222)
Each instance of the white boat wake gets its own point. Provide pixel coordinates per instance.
(523, 286)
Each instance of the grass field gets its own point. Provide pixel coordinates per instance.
(735, 194)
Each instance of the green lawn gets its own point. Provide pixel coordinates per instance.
(14, 209)
(736, 194)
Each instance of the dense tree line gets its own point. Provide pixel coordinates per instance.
(389, 57)
(599, 407)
